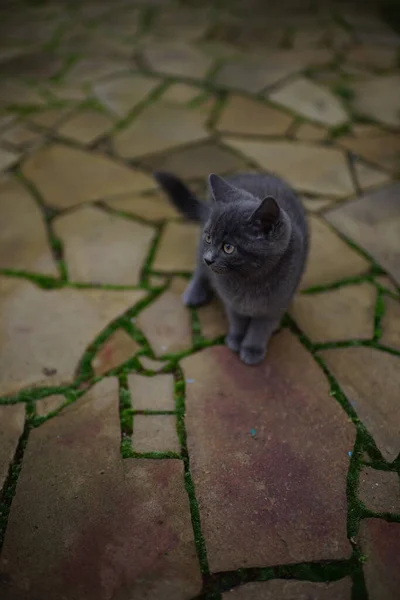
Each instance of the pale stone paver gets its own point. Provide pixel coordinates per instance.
(177, 59)
(18, 93)
(368, 176)
(378, 98)
(313, 205)
(391, 324)
(177, 248)
(152, 365)
(152, 393)
(8, 158)
(155, 433)
(49, 117)
(86, 126)
(49, 404)
(380, 490)
(291, 590)
(181, 93)
(308, 132)
(377, 57)
(213, 320)
(117, 349)
(21, 136)
(12, 420)
(122, 94)
(376, 146)
(243, 115)
(154, 207)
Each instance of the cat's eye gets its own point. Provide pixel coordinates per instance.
(207, 238)
(228, 248)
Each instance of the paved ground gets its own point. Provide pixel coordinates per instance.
(138, 458)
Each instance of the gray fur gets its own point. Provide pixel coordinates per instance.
(261, 216)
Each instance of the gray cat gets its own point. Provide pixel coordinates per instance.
(252, 253)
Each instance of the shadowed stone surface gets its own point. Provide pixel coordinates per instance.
(379, 490)
(373, 222)
(100, 247)
(21, 136)
(181, 93)
(343, 314)
(74, 544)
(44, 333)
(253, 474)
(117, 349)
(177, 59)
(153, 207)
(308, 168)
(314, 205)
(86, 126)
(390, 324)
(12, 420)
(378, 98)
(166, 322)
(311, 101)
(369, 379)
(245, 116)
(8, 158)
(373, 56)
(307, 132)
(49, 117)
(152, 393)
(369, 176)
(155, 433)
(23, 238)
(49, 404)
(381, 148)
(330, 258)
(380, 542)
(177, 248)
(121, 95)
(95, 176)
(291, 590)
(213, 320)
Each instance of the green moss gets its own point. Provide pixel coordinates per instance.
(339, 130)
(344, 91)
(379, 313)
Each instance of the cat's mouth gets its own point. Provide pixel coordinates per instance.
(216, 269)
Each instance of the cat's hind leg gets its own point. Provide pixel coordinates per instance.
(199, 290)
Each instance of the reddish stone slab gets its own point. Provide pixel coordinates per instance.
(279, 589)
(268, 449)
(380, 542)
(380, 490)
(87, 525)
(12, 419)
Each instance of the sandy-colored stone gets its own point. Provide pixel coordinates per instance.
(330, 259)
(307, 132)
(152, 393)
(117, 349)
(49, 117)
(12, 420)
(101, 247)
(49, 404)
(311, 101)
(368, 176)
(279, 589)
(258, 465)
(314, 205)
(213, 321)
(95, 176)
(197, 161)
(44, 333)
(387, 283)
(153, 207)
(21, 136)
(180, 22)
(381, 148)
(380, 543)
(379, 490)
(177, 248)
(378, 98)
(122, 94)
(152, 365)
(16, 93)
(76, 500)
(373, 222)
(243, 115)
(86, 127)
(177, 59)
(390, 324)
(23, 238)
(8, 158)
(181, 93)
(166, 322)
(307, 167)
(370, 380)
(159, 127)
(377, 57)
(155, 433)
(89, 70)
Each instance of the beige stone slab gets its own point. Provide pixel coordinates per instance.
(12, 420)
(95, 176)
(92, 69)
(177, 59)
(121, 95)
(243, 115)
(86, 126)
(311, 101)
(213, 320)
(380, 490)
(315, 205)
(154, 207)
(117, 349)
(291, 590)
(49, 117)
(378, 98)
(101, 247)
(152, 393)
(390, 324)
(155, 433)
(380, 148)
(8, 158)
(369, 177)
(181, 93)
(308, 168)
(16, 93)
(49, 404)
(21, 136)
(307, 132)
(152, 365)
(377, 57)
(24, 243)
(177, 248)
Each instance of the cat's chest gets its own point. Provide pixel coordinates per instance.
(250, 299)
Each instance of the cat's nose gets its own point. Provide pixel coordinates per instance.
(208, 261)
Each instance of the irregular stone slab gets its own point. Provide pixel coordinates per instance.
(49, 117)
(386, 282)
(152, 365)
(37, 65)
(117, 349)
(366, 374)
(330, 259)
(245, 116)
(381, 148)
(95, 176)
(254, 475)
(152, 393)
(378, 98)
(307, 132)
(154, 207)
(311, 101)
(177, 248)
(314, 205)
(16, 93)
(155, 433)
(376, 57)
(390, 324)
(159, 127)
(373, 222)
(177, 59)
(23, 237)
(182, 23)
(86, 127)
(197, 161)
(101, 247)
(21, 136)
(380, 542)
(44, 333)
(368, 177)
(121, 95)
(279, 589)
(213, 320)
(308, 168)
(89, 70)
(8, 158)
(379, 490)
(49, 404)
(75, 501)
(12, 420)
(181, 93)
(166, 322)
(343, 314)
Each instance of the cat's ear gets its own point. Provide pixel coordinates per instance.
(267, 213)
(221, 190)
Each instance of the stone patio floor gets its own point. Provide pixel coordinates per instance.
(139, 459)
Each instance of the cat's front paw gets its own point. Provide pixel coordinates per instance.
(251, 355)
(233, 342)
(195, 295)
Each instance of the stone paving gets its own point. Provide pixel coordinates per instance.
(139, 459)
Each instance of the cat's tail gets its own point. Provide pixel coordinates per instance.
(181, 197)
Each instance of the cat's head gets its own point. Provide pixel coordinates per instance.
(243, 234)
